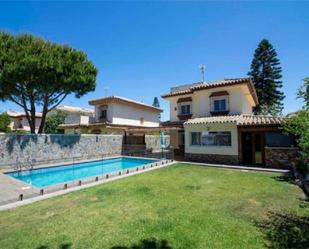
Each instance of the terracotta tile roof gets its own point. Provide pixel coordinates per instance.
(214, 84)
(126, 101)
(239, 120)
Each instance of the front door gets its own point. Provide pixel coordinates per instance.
(258, 148)
(252, 148)
(246, 145)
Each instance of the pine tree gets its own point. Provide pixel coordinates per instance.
(266, 76)
(156, 103)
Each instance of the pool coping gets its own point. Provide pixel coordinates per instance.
(56, 187)
(87, 185)
(65, 163)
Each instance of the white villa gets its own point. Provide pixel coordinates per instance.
(19, 121)
(116, 113)
(216, 124)
(75, 115)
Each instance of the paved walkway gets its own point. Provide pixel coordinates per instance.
(10, 189)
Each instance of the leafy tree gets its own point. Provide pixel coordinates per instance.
(303, 92)
(156, 103)
(298, 125)
(5, 122)
(53, 121)
(266, 75)
(35, 73)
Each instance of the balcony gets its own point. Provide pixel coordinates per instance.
(184, 116)
(220, 113)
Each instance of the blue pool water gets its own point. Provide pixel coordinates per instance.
(60, 174)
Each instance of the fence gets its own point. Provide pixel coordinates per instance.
(73, 179)
(45, 149)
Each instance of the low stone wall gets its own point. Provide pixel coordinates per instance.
(134, 149)
(280, 157)
(212, 158)
(54, 148)
(152, 147)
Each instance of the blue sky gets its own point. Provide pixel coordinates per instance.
(143, 48)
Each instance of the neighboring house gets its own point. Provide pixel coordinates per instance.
(116, 113)
(218, 125)
(75, 115)
(19, 121)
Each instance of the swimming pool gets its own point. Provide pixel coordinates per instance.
(64, 173)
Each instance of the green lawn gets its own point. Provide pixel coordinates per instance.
(181, 206)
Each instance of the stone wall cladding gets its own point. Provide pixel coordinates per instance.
(134, 150)
(56, 148)
(280, 157)
(153, 141)
(212, 158)
(152, 147)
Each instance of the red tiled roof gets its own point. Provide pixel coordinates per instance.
(239, 120)
(214, 84)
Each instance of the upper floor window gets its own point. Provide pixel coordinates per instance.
(185, 109)
(220, 105)
(142, 120)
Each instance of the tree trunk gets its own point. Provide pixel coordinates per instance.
(44, 113)
(43, 119)
(28, 117)
(32, 114)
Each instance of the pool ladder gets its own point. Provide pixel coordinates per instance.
(24, 165)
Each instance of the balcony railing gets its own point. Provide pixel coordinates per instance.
(184, 116)
(220, 113)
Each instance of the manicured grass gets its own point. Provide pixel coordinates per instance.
(186, 206)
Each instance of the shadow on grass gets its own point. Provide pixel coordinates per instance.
(303, 203)
(288, 177)
(62, 246)
(147, 244)
(286, 231)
